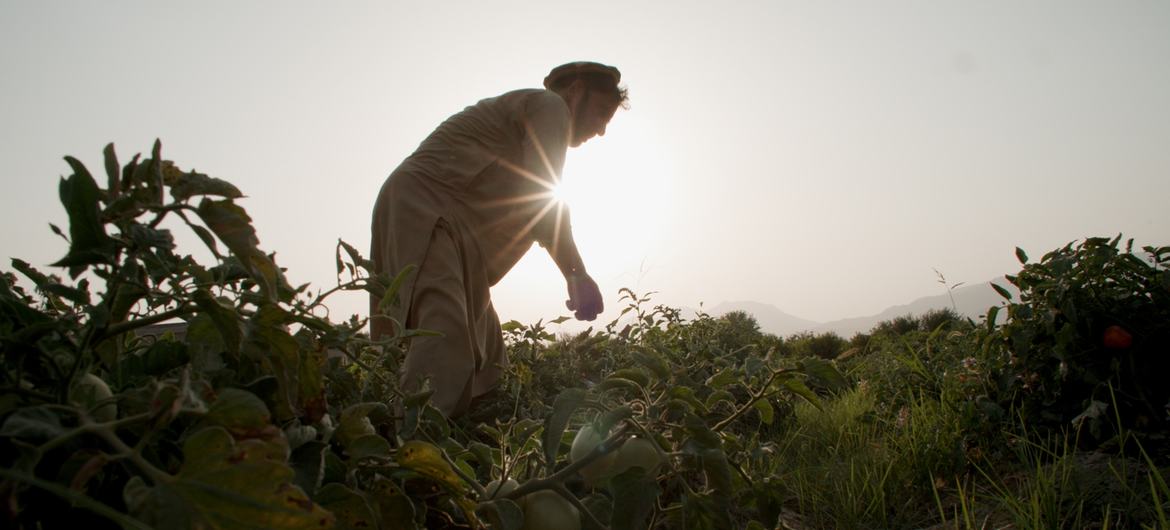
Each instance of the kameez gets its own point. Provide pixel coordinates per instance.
(464, 208)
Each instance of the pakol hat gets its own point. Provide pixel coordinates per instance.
(579, 68)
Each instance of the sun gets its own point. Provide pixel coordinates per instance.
(618, 191)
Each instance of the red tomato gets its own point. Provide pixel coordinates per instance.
(1117, 338)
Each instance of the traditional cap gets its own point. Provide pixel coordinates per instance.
(578, 68)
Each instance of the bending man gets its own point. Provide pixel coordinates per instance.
(466, 206)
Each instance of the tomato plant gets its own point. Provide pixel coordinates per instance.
(1084, 344)
(252, 409)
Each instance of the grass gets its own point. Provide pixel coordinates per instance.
(881, 457)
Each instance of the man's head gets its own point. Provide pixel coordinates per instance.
(592, 92)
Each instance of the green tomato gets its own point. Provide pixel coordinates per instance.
(507, 487)
(88, 391)
(583, 443)
(547, 510)
(636, 452)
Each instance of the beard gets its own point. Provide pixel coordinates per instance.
(575, 136)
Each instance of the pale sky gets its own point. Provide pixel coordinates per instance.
(821, 157)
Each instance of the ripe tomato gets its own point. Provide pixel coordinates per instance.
(1117, 338)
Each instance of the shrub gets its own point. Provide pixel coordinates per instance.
(1086, 344)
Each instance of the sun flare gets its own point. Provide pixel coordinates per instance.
(617, 188)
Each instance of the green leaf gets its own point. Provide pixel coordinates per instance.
(652, 361)
(227, 485)
(308, 462)
(635, 496)
(269, 340)
(159, 359)
(390, 296)
(191, 184)
(89, 243)
(718, 473)
(700, 433)
(394, 507)
(241, 413)
(613, 382)
(368, 446)
(607, 421)
(355, 422)
(564, 406)
(113, 184)
(799, 388)
(1020, 255)
(826, 373)
(225, 319)
(1002, 292)
(717, 396)
(725, 377)
(311, 384)
(764, 408)
(232, 225)
(992, 315)
(34, 425)
(351, 510)
(636, 375)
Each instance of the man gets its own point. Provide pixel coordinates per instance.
(466, 206)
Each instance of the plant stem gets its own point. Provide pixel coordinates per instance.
(156, 475)
(756, 396)
(123, 327)
(602, 449)
(568, 495)
(76, 498)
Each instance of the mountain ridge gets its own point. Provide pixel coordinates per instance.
(971, 301)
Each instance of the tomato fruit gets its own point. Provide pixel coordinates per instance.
(547, 510)
(583, 443)
(495, 490)
(89, 390)
(636, 452)
(1117, 338)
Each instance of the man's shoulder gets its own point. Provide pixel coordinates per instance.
(525, 99)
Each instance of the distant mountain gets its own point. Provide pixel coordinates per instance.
(770, 317)
(971, 301)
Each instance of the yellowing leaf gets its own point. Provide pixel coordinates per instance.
(427, 460)
(228, 485)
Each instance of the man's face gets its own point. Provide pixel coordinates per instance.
(591, 113)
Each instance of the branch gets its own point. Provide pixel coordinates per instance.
(564, 492)
(756, 396)
(556, 481)
(156, 475)
(76, 498)
(131, 325)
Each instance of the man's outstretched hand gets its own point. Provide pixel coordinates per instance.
(584, 297)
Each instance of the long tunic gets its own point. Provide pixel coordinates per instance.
(465, 207)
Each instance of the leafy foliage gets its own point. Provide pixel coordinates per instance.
(257, 411)
(1085, 344)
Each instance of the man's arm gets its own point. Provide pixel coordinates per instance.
(547, 122)
(584, 295)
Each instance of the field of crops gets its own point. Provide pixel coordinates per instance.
(263, 413)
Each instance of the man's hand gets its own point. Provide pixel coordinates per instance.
(584, 297)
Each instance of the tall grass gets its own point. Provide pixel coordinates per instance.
(848, 467)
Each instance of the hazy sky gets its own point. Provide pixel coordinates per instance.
(821, 157)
